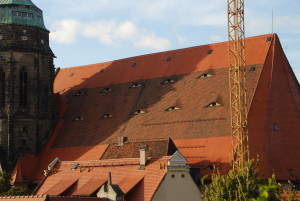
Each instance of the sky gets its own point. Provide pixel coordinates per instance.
(94, 31)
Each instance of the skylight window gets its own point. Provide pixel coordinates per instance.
(106, 90)
(79, 118)
(139, 112)
(172, 109)
(214, 104)
(209, 51)
(205, 75)
(107, 116)
(252, 68)
(136, 85)
(168, 81)
(169, 59)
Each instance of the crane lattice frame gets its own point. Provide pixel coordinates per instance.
(237, 82)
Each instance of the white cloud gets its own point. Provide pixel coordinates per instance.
(216, 38)
(108, 32)
(181, 40)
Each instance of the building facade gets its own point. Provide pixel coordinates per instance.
(26, 79)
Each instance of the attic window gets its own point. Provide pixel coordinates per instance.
(172, 109)
(75, 166)
(269, 39)
(209, 51)
(276, 127)
(79, 118)
(107, 116)
(291, 173)
(79, 93)
(136, 85)
(252, 68)
(205, 75)
(106, 90)
(71, 74)
(101, 70)
(133, 64)
(168, 81)
(169, 59)
(139, 112)
(214, 104)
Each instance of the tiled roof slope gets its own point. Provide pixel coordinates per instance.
(125, 173)
(156, 148)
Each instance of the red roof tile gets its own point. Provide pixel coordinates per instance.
(61, 186)
(90, 187)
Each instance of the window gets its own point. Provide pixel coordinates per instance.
(71, 74)
(269, 39)
(252, 68)
(139, 112)
(101, 70)
(172, 109)
(106, 90)
(22, 14)
(168, 81)
(205, 75)
(2, 88)
(276, 127)
(106, 116)
(79, 93)
(23, 88)
(23, 136)
(136, 85)
(79, 118)
(169, 59)
(214, 104)
(133, 64)
(209, 51)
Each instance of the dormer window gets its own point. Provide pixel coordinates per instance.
(107, 116)
(79, 93)
(169, 81)
(172, 108)
(139, 112)
(106, 90)
(205, 75)
(136, 85)
(214, 104)
(79, 118)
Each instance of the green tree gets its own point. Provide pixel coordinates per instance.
(242, 185)
(7, 189)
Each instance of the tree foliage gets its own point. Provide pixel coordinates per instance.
(7, 189)
(242, 185)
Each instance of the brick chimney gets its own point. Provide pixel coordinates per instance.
(143, 156)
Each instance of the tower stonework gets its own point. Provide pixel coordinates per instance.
(26, 80)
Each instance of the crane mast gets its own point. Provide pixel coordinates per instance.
(237, 83)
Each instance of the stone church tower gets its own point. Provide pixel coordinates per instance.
(26, 80)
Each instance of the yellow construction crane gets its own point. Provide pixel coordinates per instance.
(237, 83)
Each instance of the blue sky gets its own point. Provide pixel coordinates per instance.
(93, 31)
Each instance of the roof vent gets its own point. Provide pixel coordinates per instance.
(63, 90)
(209, 51)
(139, 112)
(252, 68)
(106, 90)
(172, 109)
(269, 39)
(214, 104)
(107, 116)
(133, 64)
(136, 85)
(101, 70)
(205, 75)
(71, 74)
(169, 59)
(276, 129)
(79, 93)
(79, 118)
(74, 166)
(168, 81)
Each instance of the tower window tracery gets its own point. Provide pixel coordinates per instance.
(23, 87)
(2, 88)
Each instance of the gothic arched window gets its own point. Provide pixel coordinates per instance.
(23, 87)
(2, 88)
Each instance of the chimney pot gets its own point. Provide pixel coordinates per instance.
(143, 156)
